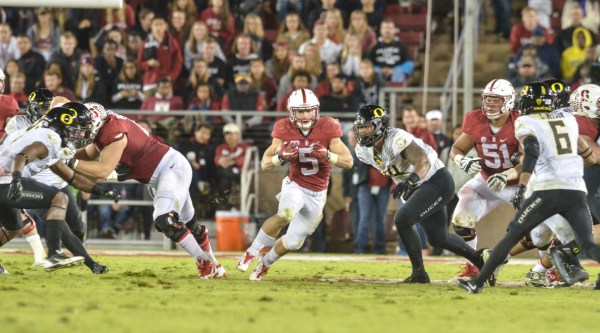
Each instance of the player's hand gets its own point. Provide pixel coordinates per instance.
(470, 165)
(497, 182)
(16, 187)
(318, 151)
(404, 190)
(107, 192)
(122, 172)
(288, 151)
(66, 154)
(519, 195)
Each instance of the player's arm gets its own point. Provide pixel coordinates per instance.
(459, 149)
(344, 158)
(270, 158)
(106, 163)
(3, 138)
(88, 153)
(586, 151)
(592, 144)
(531, 152)
(34, 151)
(417, 157)
(82, 183)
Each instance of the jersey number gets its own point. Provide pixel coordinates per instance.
(307, 159)
(392, 171)
(497, 156)
(561, 138)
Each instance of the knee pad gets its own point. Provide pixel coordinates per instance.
(28, 226)
(198, 231)
(468, 234)
(287, 214)
(170, 225)
(292, 243)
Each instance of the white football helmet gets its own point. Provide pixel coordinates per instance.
(498, 88)
(585, 101)
(303, 100)
(98, 117)
(2, 79)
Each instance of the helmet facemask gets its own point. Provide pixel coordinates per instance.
(494, 106)
(304, 123)
(367, 133)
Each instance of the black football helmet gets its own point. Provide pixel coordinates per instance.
(38, 103)
(73, 122)
(536, 97)
(374, 117)
(561, 92)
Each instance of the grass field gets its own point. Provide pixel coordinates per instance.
(162, 294)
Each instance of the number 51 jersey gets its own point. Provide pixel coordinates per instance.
(309, 172)
(559, 167)
(495, 149)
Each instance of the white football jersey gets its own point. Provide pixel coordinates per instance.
(390, 162)
(45, 176)
(558, 166)
(22, 138)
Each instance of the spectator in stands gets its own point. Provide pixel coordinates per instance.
(220, 22)
(543, 9)
(390, 56)
(229, 160)
(53, 82)
(410, 120)
(335, 25)
(590, 14)
(352, 54)
(143, 27)
(216, 67)
(503, 16)
(374, 17)
(526, 73)
(160, 56)
(285, 84)
(564, 38)
(366, 86)
(576, 54)
(243, 51)
(243, 98)
(133, 45)
(324, 86)
(338, 100)
(83, 23)
(205, 100)
(284, 6)
(530, 50)
(117, 36)
(178, 27)
(253, 26)
(195, 44)
(360, 28)
(201, 154)
(314, 65)
(163, 101)
(201, 75)
(123, 17)
(262, 83)
(128, 93)
(279, 63)
(350, 179)
(435, 124)
(300, 80)
(329, 50)
(546, 53)
(8, 45)
(113, 216)
(88, 87)
(188, 7)
(32, 63)
(68, 57)
(292, 32)
(44, 34)
(11, 69)
(521, 33)
(318, 13)
(17, 89)
(108, 65)
(583, 75)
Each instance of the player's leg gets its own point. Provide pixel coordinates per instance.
(32, 237)
(380, 221)
(539, 237)
(366, 217)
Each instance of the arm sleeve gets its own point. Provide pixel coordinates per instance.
(532, 152)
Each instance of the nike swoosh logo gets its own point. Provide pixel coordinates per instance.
(171, 167)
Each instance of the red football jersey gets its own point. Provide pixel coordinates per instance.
(586, 127)
(8, 108)
(308, 172)
(143, 152)
(495, 150)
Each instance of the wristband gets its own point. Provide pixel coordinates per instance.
(113, 176)
(16, 174)
(333, 157)
(73, 163)
(276, 160)
(511, 173)
(72, 178)
(457, 159)
(97, 189)
(413, 178)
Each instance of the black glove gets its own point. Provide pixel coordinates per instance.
(406, 187)
(16, 187)
(122, 172)
(518, 198)
(107, 192)
(516, 158)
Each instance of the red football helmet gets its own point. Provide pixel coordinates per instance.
(497, 98)
(303, 101)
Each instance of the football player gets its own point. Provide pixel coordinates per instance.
(553, 149)
(310, 144)
(119, 141)
(422, 182)
(27, 152)
(491, 131)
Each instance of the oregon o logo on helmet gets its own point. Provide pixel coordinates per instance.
(557, 87)
(525, 90)
(66, 119)
(32, 96)
(378, 112)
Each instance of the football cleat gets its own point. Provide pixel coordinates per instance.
(39, 263)
(58, 261)
(206, 269)
(99, 269)
(244, 262)
(485, 256)
(469, 272)
(3, 270)
(417, 277)
(469, 286)
(536, 279)
(553, 279)
(259, 271)
(221, 272)
(570, 274)
(596, 284)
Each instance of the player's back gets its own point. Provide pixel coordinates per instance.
(558, 166)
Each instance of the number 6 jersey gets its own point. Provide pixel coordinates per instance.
(558, 167)
(495, 149)
(390, 162)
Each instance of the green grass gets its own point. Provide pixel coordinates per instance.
(143, 294)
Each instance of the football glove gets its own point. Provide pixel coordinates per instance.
(65, 154)
(288, 151)
(16, 187)
(404, 190)
(319, 151)
(107, 192)
(470, 165)
(122, 172)
(497, 182)
(519, 195)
